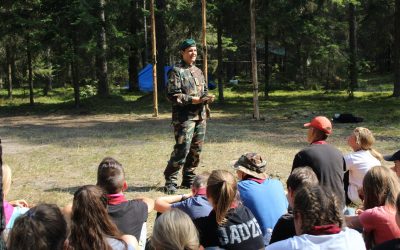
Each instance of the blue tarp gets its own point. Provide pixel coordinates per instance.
(146, 77)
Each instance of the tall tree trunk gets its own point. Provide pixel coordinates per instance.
(15, 81)
(267, 72)
(146, 47)
(204, 39)
(75, 69)
(69, 75)
(9, 72)
(161, 42)
(304, 72)
(154, 58)
(256, 113)
(30, 73)
(220, 66)
(48, 85)
(133, 60)
(396, 47)
(103, 88)
(353, 69)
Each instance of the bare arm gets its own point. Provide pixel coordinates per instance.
(149, 202)
(164, 203)
(353, 222)
(19, 203)
(130, 240)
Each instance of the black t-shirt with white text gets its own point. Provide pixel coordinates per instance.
(241, 230)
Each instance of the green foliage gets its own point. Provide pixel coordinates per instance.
(42, 69)
(88, 91)
(313, 34)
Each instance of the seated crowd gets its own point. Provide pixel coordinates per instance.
(332, 201)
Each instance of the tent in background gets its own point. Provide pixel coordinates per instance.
(146, 77)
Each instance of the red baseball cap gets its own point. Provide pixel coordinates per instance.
(321, 123)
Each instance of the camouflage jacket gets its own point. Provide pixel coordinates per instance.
(185, 82)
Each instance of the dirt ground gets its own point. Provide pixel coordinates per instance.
(51, 156)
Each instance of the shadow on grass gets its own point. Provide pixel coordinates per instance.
(143, 188)
(237, 102)
(69, 190)
(113, 104)
(376, 107)
(72, 190)
(283, 114)
(282, 117)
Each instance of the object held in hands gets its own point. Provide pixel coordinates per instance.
(208, 98)
(178, 98)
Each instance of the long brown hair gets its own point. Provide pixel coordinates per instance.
(90, 222)
(316, 206)
(381, 187)
(222, 191)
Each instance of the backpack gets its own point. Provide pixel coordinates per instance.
(347, 118)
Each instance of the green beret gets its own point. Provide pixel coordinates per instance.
(187, 43)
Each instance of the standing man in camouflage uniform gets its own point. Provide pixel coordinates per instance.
(187, 90)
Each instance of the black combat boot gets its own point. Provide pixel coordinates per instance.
(170, 188)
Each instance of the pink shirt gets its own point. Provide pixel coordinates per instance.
(381, 222)
(8, 210)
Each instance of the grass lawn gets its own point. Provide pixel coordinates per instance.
(53, 149)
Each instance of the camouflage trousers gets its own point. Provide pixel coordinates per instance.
(189, 139)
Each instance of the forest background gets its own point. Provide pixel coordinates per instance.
(69, 92)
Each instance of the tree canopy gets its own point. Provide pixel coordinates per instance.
(97, 43)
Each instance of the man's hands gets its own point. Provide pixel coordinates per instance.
(178, 98)
(208, 99)
(205, 99)
(197, 100)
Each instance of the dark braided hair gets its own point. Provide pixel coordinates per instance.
(335, 215)
(316, 206)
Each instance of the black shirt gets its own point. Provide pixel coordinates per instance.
(284, 228)
(327, 163)
(241, 230)
(388, 245)
(129, 216)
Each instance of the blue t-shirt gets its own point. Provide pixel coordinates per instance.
(195, 207)
(118, 245)
(267, 201)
